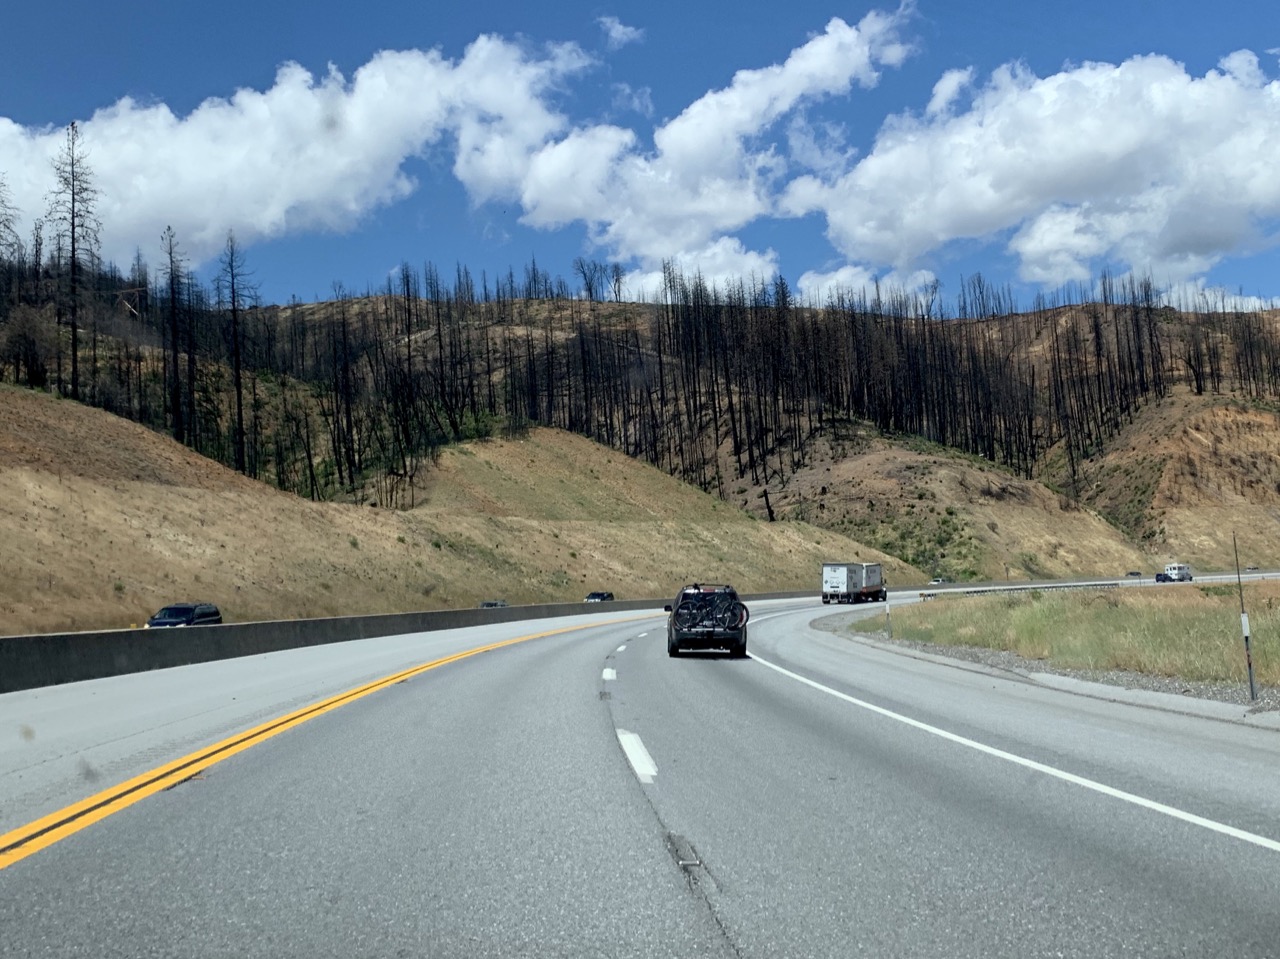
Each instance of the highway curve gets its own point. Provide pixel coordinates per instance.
(583, 794)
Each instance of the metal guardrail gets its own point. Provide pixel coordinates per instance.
(1024, 588)
(50, 659)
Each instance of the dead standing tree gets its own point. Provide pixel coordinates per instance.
(173, 270)
(75, 230)
(235, 293)
(9, 242)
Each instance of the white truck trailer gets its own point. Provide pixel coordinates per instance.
(1175, 573)
(852, 583)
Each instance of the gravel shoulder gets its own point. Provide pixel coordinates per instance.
(852, 625)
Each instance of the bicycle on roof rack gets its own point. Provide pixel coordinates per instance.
(707, 617)
(711, 611)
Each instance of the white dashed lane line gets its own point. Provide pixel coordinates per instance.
(610, 674)
(622, 647)
(641, 762)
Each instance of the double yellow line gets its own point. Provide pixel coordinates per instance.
(44, 832)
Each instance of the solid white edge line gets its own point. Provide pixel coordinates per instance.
(609, 674)
(1056, 773)
(641, 762)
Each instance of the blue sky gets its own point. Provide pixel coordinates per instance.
(836, 144)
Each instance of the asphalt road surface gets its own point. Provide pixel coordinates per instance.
(583, 794)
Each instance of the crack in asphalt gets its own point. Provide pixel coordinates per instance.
(683, 853)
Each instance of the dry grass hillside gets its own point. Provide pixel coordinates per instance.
(103, 521)
(1174, 485)
(1190, 471)
(946, 512)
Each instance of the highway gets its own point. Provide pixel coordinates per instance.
(580, 793)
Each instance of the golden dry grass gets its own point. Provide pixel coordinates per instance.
(977, 521)
(1173, 486)
(103, 521)
(1188, 631)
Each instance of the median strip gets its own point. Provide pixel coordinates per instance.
(44, 832)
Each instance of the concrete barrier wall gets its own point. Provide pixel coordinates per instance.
(27, 662)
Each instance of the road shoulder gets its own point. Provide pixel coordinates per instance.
(1220, 701)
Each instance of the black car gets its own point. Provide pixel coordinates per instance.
(599, 596)
(705, 616)
(186, 614)
(493, 604)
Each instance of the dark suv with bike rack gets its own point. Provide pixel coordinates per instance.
(706, 616)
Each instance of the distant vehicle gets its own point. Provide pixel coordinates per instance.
(707, 616)
(1134, 572)
(852, 583)
(599, 596)
(937, 581)
(493, 604)
(186, 614)
(1251, 569)
(1175, 573)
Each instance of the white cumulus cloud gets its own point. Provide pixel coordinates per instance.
(1139, 163)
(820, 288)
(633, 99)
(715, 167)
(1198, 296)
(306, 154)
(722, 261)
(947, 89)
(617, 34)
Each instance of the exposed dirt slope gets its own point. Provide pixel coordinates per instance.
(1188, 473)
(948, 513)
(103, 521)
(1174, 485)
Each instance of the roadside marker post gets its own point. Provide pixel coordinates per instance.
(1244, 622)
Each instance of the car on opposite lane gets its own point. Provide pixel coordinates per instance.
(186, 614)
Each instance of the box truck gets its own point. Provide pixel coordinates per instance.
(852, 583)
(1175, 573)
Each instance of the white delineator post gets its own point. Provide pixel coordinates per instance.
(1244, 622)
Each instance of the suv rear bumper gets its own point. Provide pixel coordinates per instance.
(708, 638)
